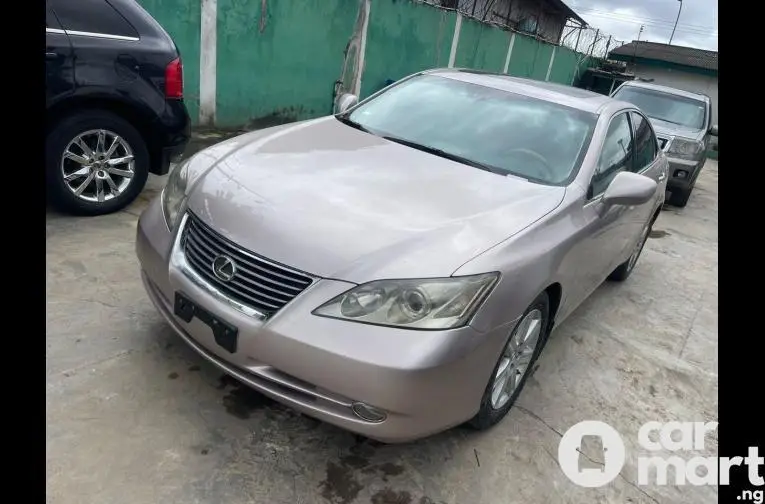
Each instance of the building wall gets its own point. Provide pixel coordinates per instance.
(256, 63)
(511, 12)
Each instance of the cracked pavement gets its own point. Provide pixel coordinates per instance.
(134, 416)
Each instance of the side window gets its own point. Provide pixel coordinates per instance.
(615, 156)
(645, 142)
(92, 16)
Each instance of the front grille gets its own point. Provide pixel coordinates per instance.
(257, 282)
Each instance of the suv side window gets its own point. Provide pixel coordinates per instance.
(616, 155)
(645, 142)
(95, 17)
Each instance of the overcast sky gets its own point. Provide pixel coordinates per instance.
(622, 19)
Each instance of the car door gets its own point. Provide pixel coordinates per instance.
(602, 235)
(647, 162)
(103, 41)
(59, 63)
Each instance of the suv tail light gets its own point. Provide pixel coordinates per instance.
(174, 79)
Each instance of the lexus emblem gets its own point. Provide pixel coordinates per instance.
(224, 268)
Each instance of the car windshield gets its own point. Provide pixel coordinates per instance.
(502, 132)
(667, 107)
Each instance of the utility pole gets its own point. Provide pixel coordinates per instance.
(634, 52)
(676, 20)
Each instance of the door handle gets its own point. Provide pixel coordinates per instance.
(51, 55)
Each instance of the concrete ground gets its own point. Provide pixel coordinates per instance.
(134, 416)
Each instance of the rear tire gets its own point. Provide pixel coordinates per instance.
(106, 185)
(493, 410)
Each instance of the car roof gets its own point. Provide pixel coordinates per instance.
(668, 89)
(576, 98)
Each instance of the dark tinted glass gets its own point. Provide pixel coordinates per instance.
(616, 155)
(92, 16)
(645, 142)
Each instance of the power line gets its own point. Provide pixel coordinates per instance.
(641, 19)
(658, 24)
(680, 28)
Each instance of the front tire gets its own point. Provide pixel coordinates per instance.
(680, 197)
(515, 364)
(96, 163)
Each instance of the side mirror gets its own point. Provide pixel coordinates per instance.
(344, 102)
(713, 130)
(629, 188)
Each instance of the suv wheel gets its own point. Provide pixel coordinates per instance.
(96, 163)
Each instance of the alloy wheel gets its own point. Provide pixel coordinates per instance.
(98, 165)
(516, 358)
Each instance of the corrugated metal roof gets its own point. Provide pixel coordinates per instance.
(680, 55)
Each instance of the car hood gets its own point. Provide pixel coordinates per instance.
(668, 129)
(340, 203)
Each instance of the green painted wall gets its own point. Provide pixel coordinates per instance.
(564, 65)
(523, 58)
(481, 46)
(287, 71)
(182, 19)
(285, 68)
(404, 38)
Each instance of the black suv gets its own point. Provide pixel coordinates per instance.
(114, 103)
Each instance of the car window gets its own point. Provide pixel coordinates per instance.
(615, 156)
(509, 133)
(92, 16)
(667, 107)
(645, 142)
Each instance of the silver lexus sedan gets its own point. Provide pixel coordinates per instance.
(396, 269)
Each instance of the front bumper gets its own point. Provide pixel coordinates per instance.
(425, 381)
(683, 173)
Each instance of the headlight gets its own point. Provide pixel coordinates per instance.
(437, 303)
(174, 193)
(685, 149)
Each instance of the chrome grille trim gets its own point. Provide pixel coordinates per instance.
(258, 283)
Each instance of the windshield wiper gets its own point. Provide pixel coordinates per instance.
(353, 124)
(667, 120)
(444, 154)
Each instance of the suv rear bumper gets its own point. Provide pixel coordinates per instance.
(172, 132)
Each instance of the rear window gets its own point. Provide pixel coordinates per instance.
(96, 17)
(666, 107)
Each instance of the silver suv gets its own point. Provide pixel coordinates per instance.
(683, 124)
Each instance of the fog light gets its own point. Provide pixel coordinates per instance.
(368, 413)
(681, 174)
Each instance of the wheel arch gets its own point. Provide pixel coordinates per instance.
(140, 120)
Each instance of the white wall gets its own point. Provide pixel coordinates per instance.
(681, 80)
